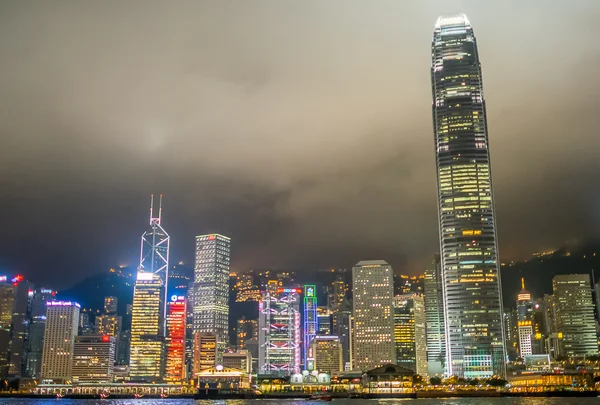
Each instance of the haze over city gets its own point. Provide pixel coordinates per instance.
(301, 130)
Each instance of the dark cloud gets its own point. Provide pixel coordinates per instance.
(301, 129)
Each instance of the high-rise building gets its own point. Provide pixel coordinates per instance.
(373, 301)
(341, 321)
(211, 287)
(205, 351)
(279, 332)
(146, 357)
(336, 298)
(469, 253)
(311, 324)
(434, 311)
(327, 354)
(574, 314)
(36, 331)
(409, 332)
(246, 329)
(86, 323)
(20, 327)
(110, 305)
(176, 330)
(108, 324)
(7, 298)
(525, 321)
(59, 339)
(246, 290)
(154, 252)
(94, 358)
(323, 321)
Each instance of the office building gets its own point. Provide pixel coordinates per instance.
(279, 332)
(337, 297)
(323, 321)
(327, 354)
(7, 298)
(525, 321)
(86, 324)
(36, 331)
(469, 253)
(176, 331)
(108, 324)
(434, 312)
(94, 358)
(211, 287)
(311, 322)
(205, 351)
(246, 329)
(341, 322)
(409, 332)
(146, 357)
(59, 339)
(240, 360)
(574, 314)
(373, 314)
(20, 327)
(154, 252)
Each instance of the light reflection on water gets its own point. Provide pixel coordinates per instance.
(442, 401)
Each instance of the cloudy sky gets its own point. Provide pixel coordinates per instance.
(302, 129)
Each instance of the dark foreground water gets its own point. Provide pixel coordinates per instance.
(444, 401)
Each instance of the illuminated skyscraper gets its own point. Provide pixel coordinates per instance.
(327, 354)
(310, 318)
(205, 351)
(20, 327)
(574, 314)
(434, 312)
(525, 321)
(247, 329)
(176, 329)
(36, 331)
(211, 287)
(154, 253)
(373, 301)
(279, 332)
(146, 358)
(62, 319)
(110, 305)
(409, 332)
(7, 298)
(469, 253)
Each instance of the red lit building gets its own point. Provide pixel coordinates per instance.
(176, 326)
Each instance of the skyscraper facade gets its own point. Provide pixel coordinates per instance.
(574, 315)
(469, 258)
(36, 331)
(247, 329)
(7, 298)
(176, 330)
(327, 354)
(62, 319)
(20, 327)
(310, 318)
(94, 358)
(434, 312)
(373, 288)
(146, 358)
(279, 332)
(211, 287)
(409, 332)
(341, 321)
(525, 321)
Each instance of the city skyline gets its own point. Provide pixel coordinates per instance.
(331, 114)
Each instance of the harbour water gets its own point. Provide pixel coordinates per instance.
(444, 401)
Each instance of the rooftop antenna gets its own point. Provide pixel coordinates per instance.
(160, 209)
(522, 283)
(152, 206)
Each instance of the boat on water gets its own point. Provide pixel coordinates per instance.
(320, 397)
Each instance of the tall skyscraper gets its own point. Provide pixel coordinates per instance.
(211, 287)
(36, 330)
(341, 321)
(154, 252)
(146, 357)
(434, 312)
(20, 327)
(525, 321)
(176, 329)
(279, 332)
(7, 299)
(94, 358)
(373, 301)
(310, 318)
(110, 305)
(62, 319)
(574, 314)
(205, 351)
(409, 332)
(469, 257)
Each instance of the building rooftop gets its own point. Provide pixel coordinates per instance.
(372, 263)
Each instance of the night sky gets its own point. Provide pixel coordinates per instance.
(302, 129)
